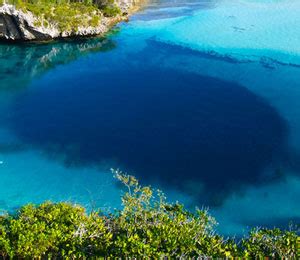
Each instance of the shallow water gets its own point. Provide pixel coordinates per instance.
(188, 96)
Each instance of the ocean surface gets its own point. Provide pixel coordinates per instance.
(197, 98)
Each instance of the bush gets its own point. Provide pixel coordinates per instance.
(273, 243)
(4, 240)
(111, 10)
(146, 227)
(54, 230)
(152, 227)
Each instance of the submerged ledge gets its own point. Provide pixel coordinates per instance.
(44, 22)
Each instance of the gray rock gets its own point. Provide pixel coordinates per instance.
(18, 25)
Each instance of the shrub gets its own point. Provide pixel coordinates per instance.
(111, 10)
(273, 243)
(152, 227)
(4, 240)
(56, 230)
(146, 227)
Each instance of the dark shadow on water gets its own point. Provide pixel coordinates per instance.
(191, 132)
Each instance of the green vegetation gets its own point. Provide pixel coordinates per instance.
(147, 226)
(111, 10)
(68, 15)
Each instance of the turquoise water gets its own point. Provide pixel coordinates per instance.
(198, 98)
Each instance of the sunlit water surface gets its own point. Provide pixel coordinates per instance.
(198, 98)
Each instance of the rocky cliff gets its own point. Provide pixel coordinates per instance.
(20, 25)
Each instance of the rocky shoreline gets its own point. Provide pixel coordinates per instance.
(19, 25)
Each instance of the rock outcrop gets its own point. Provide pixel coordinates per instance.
(18, 25)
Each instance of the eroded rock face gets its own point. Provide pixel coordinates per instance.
(18, 25)
(23, 26)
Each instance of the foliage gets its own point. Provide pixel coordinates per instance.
(54, 230)
(146, 227)
(152, 227)
(111, 10)
(68, 15)
(273, 243)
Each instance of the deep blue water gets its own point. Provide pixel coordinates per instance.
(154, 122)
(205, 128)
